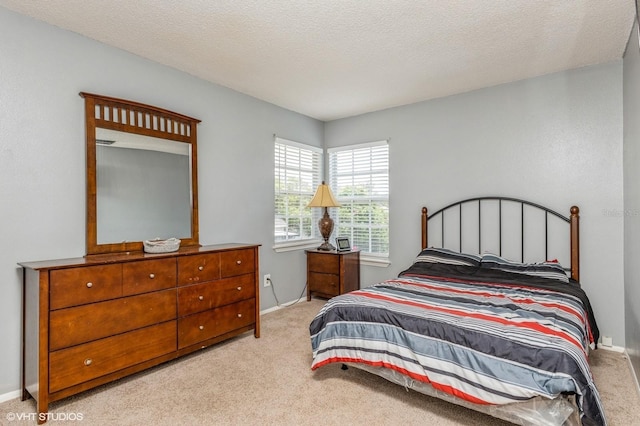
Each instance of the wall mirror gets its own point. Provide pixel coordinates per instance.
(141, 175)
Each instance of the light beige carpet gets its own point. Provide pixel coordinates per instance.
(267, 381)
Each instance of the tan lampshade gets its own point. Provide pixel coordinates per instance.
(323, 197)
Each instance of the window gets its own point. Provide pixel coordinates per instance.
(359, 178)
(297, 175)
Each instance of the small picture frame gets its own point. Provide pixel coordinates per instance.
(342, 244)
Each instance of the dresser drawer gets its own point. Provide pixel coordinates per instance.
(81, 324)
(68, 367)
(148, 275)
(77, 286)
(198, 268)
(201, 297)
(326, 263)
(236, 262)
(324, 283)
(209, 324)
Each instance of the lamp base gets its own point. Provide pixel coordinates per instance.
(326, 228)
(326, 246)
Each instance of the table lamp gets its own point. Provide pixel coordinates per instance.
(324, 198)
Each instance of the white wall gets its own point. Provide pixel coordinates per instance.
(555, 140)
(42, 157)
(632, 198)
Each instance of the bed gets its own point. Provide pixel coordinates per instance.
(506, 337)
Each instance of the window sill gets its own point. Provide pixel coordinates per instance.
(296, 245)
(380, 262)
(366, 260)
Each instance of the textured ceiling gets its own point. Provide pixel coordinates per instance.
(330, 59)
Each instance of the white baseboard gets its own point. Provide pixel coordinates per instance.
(9, 396)
(283, 305)
(633, 372)
(269, 310)
(611, 348)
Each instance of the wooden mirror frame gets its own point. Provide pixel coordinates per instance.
(133, 117)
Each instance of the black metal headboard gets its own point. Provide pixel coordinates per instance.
(573, 221)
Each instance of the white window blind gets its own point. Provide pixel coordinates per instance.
(297, 175)
(359, 178)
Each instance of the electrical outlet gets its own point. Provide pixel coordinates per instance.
(266, 280)
(607, 341)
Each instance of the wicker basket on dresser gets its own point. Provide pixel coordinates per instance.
(89, 321)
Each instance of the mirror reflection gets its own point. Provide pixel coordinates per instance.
(143, 187)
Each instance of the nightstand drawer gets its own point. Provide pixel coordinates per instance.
(327, 264)
(324, 283)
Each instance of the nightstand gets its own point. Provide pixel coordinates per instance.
(330, 273)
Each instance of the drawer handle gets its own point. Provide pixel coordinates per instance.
(239, 315)
(238, 261)
(88, 362)
(89, 284)
(200, 297)
(152, 276)
(200, 268)
(201, 327)
(239, 288)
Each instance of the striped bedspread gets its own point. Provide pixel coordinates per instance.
(488, 337)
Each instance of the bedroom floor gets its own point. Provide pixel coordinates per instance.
(249, 381)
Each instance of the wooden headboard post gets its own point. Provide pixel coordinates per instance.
(425, 228)
(574, 224)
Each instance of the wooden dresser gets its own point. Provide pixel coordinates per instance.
(89, 321)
